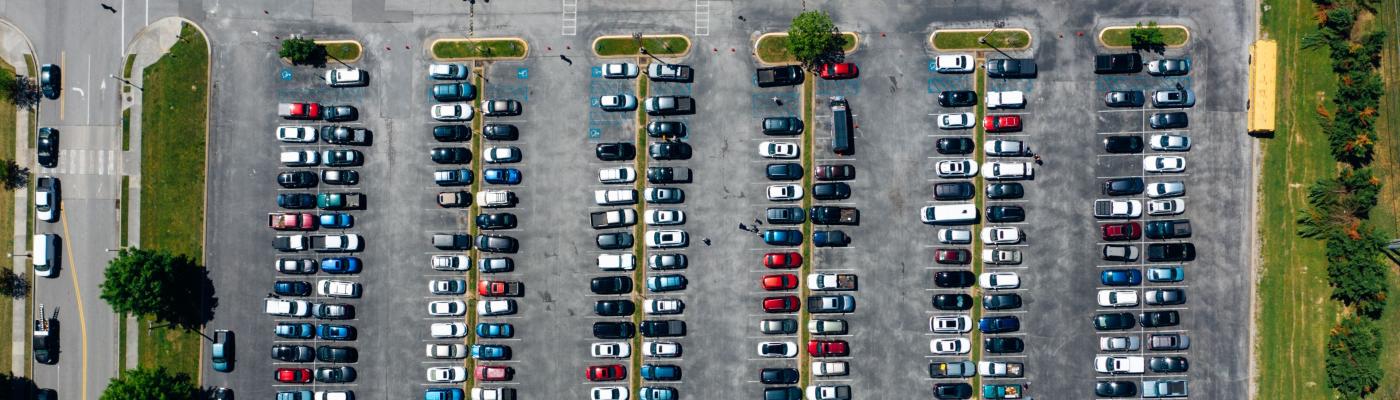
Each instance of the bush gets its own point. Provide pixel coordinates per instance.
(1336, 205)
(302, 51)
(813, 38)
(1147, 38)
(1353, 357)
(1355, 270)
(150, 384)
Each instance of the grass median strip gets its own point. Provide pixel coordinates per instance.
(639, 251)
(808, 160)
(665, 45)
(948, 40)
(343, 50)
(473, 274)
(772, 49)
(461, 49)
(1118, 36)
(977, 137)
(7, 206)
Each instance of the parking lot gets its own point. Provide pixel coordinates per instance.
(894, 107)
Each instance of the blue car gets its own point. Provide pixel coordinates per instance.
(335, 332)
(443, 394)
(294, 395)
(501, 176)
(1121, 277)
(291, 288)
(337, 221)
(494, 331)
(490, 352)
(653, 372)
(1166, 274)
(657, 393)
(782, 237)
(999, 324)
(294, 331)
(340, 265)
(666, 283)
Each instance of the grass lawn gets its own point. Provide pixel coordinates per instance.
(622, 46)
(772, 49)
(7, 206)
(1295, 312)
(462, 48)
(967, 40)
(343, 51)
(1173, 36)
(173, 122)
(1385, 214)
(126, 128)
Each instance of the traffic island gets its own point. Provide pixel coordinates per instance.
(346, 51)
(631, 46)
(1119, 37)
(462, 49)
(771, 48)
(970, 39)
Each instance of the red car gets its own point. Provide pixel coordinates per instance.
(828, 348)
(1002, 123)
(781, 304)
(1123, 231)
(291, 221)
(498, 288)
(782, 260)
(779, 282)
(839, 71)
(952, 256)
(294, 375)
(299, 110)
(493, 373)
(600, 373)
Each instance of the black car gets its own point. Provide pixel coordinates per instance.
(291, 288)
(496, 244)
(1164, 297)
(296, 201)
(1010, 190)
(784, 171)
(47, 148)
(218, 393)
(1122, 144)
(1168, 120)
(954, 145)
(1124, 98)
(957, 98)
(830, 238)
(835, 172)
(782, 393)
(1114, 321)
(1011, 68)
(782, 126)
(614, 240)
(615, 151)
(614, 330)
(451, 155)
(611, 285)
(785, 215)
(669, 151)
(297, 179)
(614, 308)
(667, 129)
(786, 75)
(668, 174)
(831, 191)
(1158, 319)
(1115, 389)
(1006, 214)
(953, 191)
(778, 376)
(663, 328)
(1171, 252)
(952, 391)
(1167, 365)
(500, 132)
(346, 135)
(338, 354)
(1123, 186)
(1004, 301)
(495, 221)
(290, 353)
(339, 113)
(954, 279)
(952, 302)
(50, 81)
(1002, 345)
(452, 133)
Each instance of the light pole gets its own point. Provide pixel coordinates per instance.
(648, 53)
(114, 76)
(983, 40)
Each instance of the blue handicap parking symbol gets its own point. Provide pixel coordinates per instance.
(597, 72)
(522, 73)
(593, 101)
(932, 66)
(286, 74)
(595, 133)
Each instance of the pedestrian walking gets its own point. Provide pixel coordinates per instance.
(109, 8)
(743, 227)
(1037, 159)
(777, 100)
(757, 222)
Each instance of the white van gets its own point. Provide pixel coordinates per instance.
(45, 256)
(955, 214)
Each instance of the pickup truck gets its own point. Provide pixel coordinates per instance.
(1006, 391)
(613, 218)
(668, 174)
(495, 198)
(827, 215)
(291, 221)
(615, 197)
(670, 105)
(1119, 364)
(287, 308)
(1159, 389)
(1110, 208)
(498, 288)
(1168, 229)
(999, 369)
(1011, 68)
(1010, 99)
(779, 76)
(340, 201)
(831, 281)
(669, 72)
(299, 110)
(336, 243)
(961, 369)
(339, 77)
(1124, 63)
(289, 243)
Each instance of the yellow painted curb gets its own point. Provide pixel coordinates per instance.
(360, 54)
(854, 48)
(931, 43)
(1126, 27)
(522, 42)
(689, 45)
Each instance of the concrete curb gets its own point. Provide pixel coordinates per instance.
(522, 41)
(760, 38)
(1100, 41)
(358, 55)
(931, 36)
(689, 46)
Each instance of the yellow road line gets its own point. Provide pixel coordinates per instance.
(77, 296)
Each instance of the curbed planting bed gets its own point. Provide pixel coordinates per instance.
(1117, 36)
(967, 39)
(480, 49)
(771, 48)
(343, 50)
(628, 46)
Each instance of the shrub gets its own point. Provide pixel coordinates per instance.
(1353, 357)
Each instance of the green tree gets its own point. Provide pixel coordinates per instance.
(150, 282)
(812, 38)
(1355, 270)
(1353, 357)
(1149, 37)
(150, 384)
(301, 51)
(1337, 205)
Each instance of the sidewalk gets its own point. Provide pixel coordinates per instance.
(13, 47)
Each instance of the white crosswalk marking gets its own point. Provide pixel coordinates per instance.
(87, 162)
(702, 17)
(568, 18)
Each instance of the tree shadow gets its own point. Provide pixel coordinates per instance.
(1158, 48)
(197, 291)
(18, 387)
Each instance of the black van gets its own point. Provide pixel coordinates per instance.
(841, 140)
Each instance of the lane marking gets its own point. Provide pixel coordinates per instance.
(77, 295)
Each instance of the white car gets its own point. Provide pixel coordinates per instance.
(494, 394)
(346, 77)
(618, 102)
(999, 280)
(1001, 256)
(447, 71)
(447, 374)
(950, 324)
(300, 158)
(453, 112)
(1120, 343)
(956, 121)
(296, 134)
(1008, 170)
(611, 350)
(957, 168)
(1004, 148)
(444, 330)
(501, 154)
(1166, 189)
(622, 70)
(662, 306)
(447, 308)
(784, 192)
(777, 349)
(954, 236)
(661, 349)
(949, 346)
(617, 262)
(332, 288)
(661, 239)
(617, 175)
(615, 197)
(1170, 142)
(664, 217)
(1001, 235)
(449, 351)
(333, 395)
(826, 326)
(828, 392)
(451, 262)
(1163, 164)
(1118, 298)
(779, 150)
(46, 199)
(829, 368)
(447, 286)
(953, 63)
(609, 393)
(495, 307)
(1166, 207)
